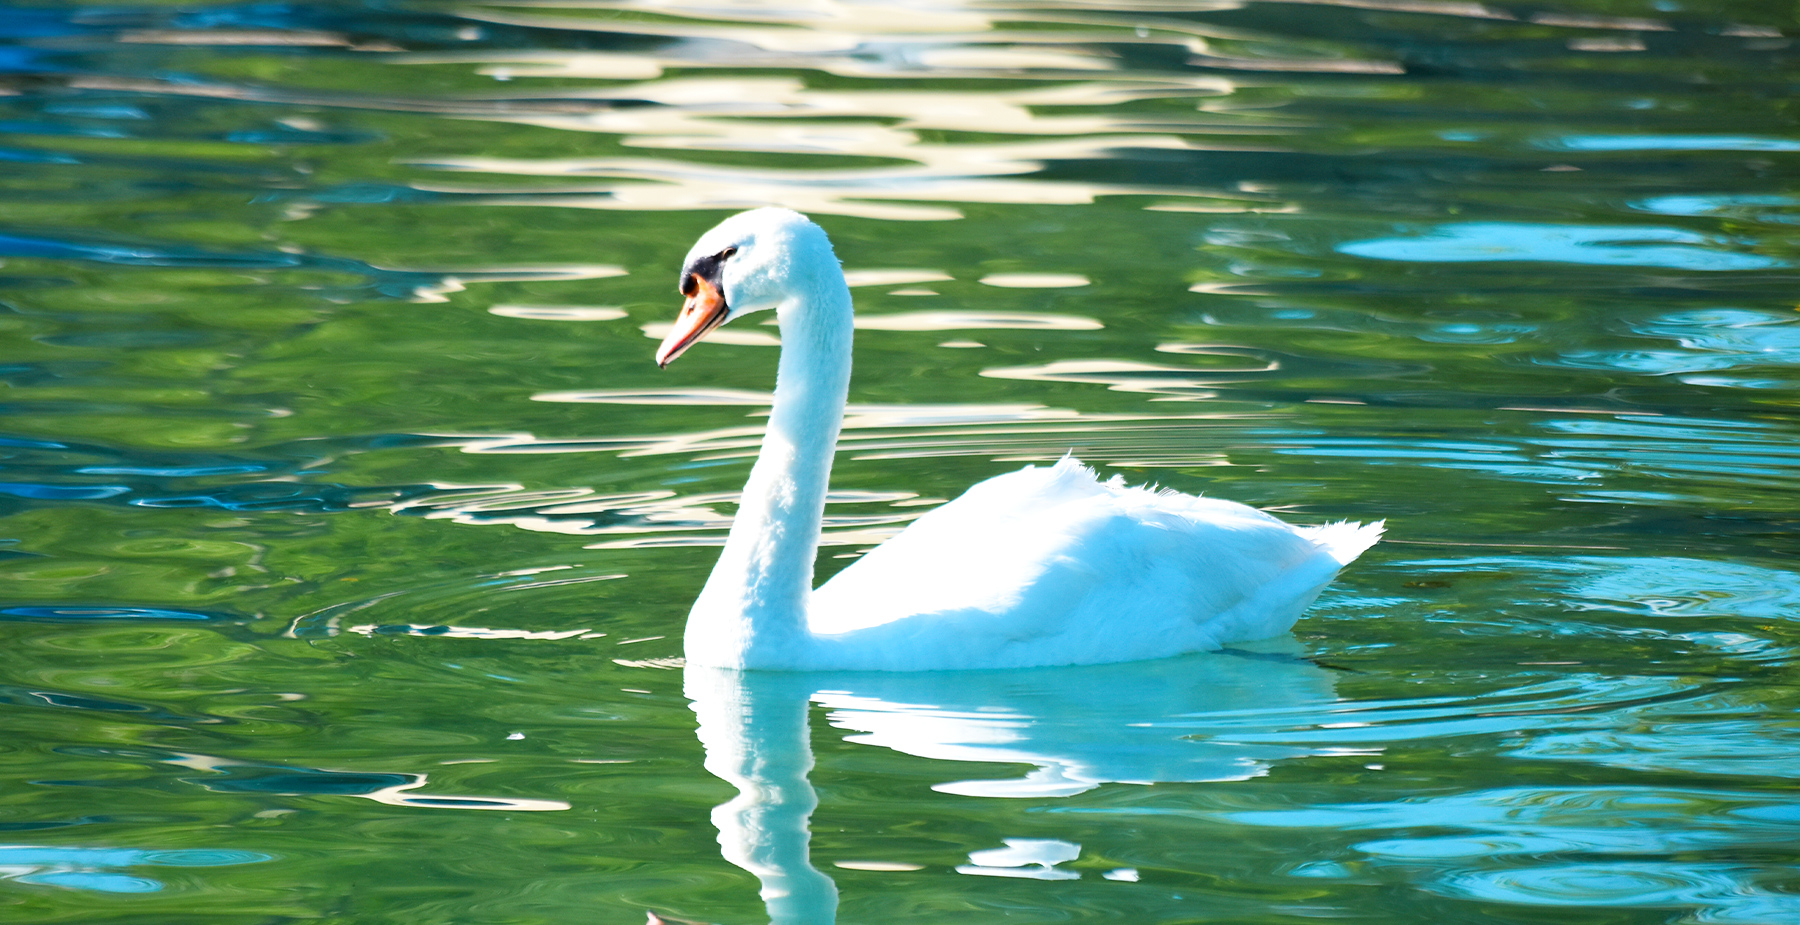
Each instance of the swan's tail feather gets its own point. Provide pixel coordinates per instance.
(1345, 540)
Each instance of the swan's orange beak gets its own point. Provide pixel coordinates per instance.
(704, 310)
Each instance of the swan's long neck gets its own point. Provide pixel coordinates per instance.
(752, 613)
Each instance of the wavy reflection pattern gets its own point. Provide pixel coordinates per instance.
(1184, 719)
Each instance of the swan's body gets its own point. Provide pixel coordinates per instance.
(1044, 566)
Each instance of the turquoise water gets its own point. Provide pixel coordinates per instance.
(348, 527)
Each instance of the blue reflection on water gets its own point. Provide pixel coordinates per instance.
(61, 492)
(1673, 587)
(21, 25)
(96, 869)
(1670, 143)
(104, 613)
(1710, 340)
(1490, 845)
(1696, 204)
(1726, 890)
(1609, 245)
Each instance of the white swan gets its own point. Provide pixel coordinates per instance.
(1044, 566)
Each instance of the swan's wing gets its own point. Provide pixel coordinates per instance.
(973, 553)
(1050, 557)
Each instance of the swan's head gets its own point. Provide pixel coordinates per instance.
(749, 262)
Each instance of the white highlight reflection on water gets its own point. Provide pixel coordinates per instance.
(1028, 858)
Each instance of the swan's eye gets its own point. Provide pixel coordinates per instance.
(727, 252)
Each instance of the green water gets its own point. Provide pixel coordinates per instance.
(348, 527)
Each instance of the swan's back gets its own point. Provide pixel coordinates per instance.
(1048, 565)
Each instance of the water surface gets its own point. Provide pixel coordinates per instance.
(349, 528)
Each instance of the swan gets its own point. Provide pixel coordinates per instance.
(1044, 566)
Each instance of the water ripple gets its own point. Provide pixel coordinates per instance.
(1707, 342)
(1499, 839)
(415, 285)
(1622, 245)
(1719, 892)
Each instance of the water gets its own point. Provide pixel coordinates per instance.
(349, 529)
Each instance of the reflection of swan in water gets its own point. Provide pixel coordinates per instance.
(1044, 566)
(753, 726)
(1183, 719)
